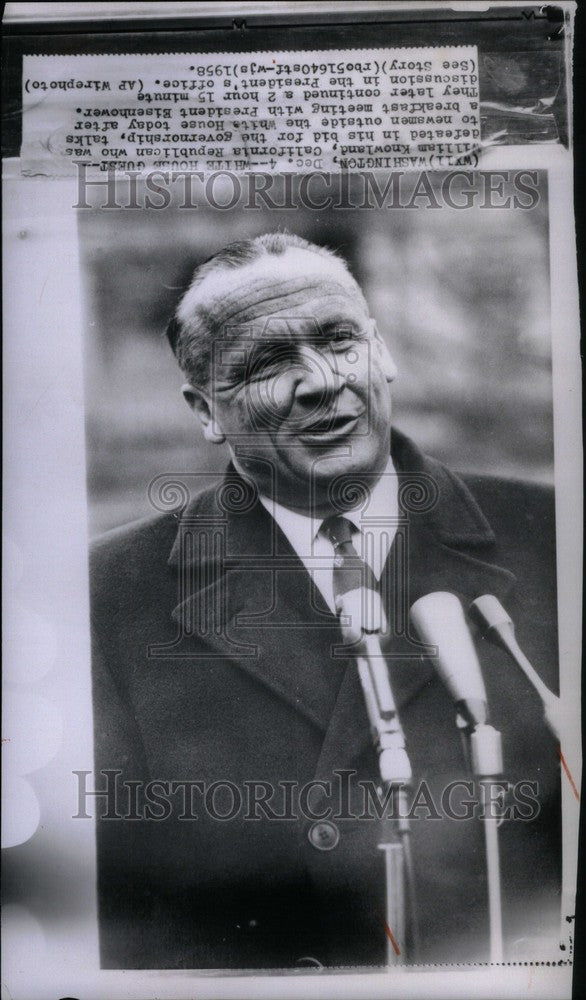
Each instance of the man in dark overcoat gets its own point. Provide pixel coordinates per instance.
(241, 815)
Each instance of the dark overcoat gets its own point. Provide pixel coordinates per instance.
(216, 661)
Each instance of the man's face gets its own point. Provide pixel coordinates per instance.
(299, 385)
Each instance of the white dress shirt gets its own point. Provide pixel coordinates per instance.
(375, 525)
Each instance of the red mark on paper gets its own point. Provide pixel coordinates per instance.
(567, 770)
(392, 939)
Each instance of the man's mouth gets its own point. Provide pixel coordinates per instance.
(328, 427)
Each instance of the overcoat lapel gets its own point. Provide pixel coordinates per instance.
(248, 598)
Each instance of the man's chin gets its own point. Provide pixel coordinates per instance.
(335, 473)
(348, 459)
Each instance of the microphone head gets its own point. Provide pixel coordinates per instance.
(439, 620)
(487, 612)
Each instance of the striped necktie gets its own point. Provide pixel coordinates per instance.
(356, 591)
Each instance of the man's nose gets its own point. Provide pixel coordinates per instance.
(317, 373)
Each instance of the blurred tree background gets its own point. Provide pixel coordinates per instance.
(461, 298)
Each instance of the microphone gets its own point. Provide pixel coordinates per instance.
(439, 620)
(362, 619)
(495, 624)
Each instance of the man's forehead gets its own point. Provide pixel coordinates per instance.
(276, 285)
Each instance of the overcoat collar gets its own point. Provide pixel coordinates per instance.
(428, 489)
(237, 570)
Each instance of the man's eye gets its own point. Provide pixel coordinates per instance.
(271, 360)
(343, 339)
(264, 371)
(263, 368)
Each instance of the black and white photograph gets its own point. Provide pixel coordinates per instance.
(309, 733)
(293, 505)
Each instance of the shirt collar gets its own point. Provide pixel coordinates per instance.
(301, 530)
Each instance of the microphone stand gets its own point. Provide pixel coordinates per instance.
(486, 763)
(396, 779)
(483, 755)
(439, 620)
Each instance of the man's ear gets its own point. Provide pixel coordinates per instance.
(384, 356)
(199, 402)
